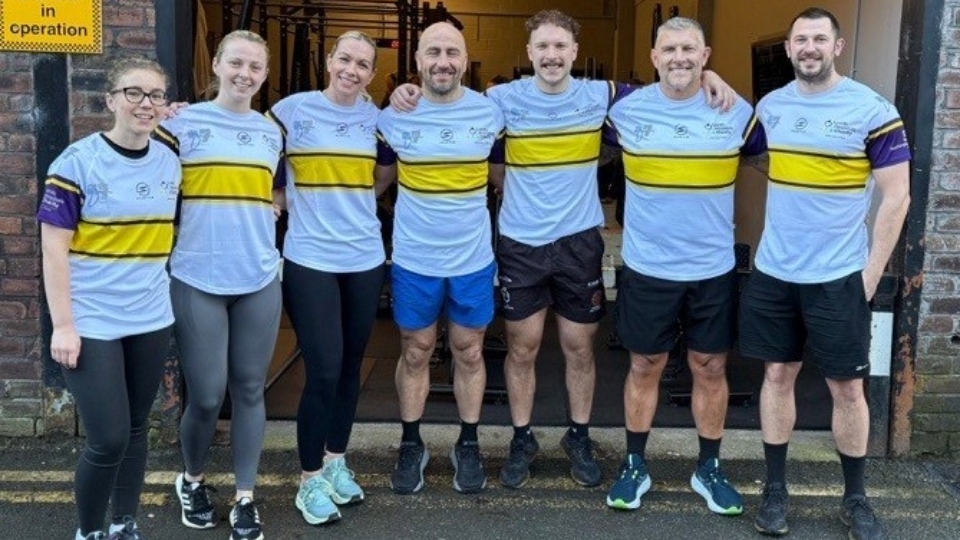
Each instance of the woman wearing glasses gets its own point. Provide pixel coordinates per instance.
(106, 227)
(225, 287)
(334, 264)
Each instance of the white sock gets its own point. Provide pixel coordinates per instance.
(116, 527)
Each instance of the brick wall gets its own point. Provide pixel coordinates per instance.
(26, 407)
(936, 418)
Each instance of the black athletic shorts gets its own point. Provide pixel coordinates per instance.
(565, 274)
(777, 318)
(649, 309)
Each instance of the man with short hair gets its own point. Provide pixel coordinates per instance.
(442, 249)
(681, 158)
(550, 249)
(815, 272)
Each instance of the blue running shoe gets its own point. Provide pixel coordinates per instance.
(633, 482)
(345, 488)
(313, 501)
(722, 498)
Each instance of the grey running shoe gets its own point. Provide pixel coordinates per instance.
(130, 531)
(583, 466)
(407, 477)
(772, 517)
(96, 535)
(857, 514)
(516, 470)
(196, 504)
(468, 473)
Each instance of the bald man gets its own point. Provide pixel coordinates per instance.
(442, 248)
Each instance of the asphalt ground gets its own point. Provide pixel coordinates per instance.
(915, 499)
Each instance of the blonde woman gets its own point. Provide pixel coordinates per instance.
(226, 289)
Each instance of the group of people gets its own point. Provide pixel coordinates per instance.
(107, 225)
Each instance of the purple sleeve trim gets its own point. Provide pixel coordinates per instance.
(60, 206)
(889, 148)
(756, 143)
(498, 153)
(385, 155)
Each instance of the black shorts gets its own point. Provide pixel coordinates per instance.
(777, 318)
(565, 274)
(649, 309)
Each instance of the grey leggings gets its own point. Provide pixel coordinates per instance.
(225, 340)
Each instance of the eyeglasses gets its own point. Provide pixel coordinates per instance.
(135, 95)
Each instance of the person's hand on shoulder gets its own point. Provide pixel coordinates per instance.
(173, 109)
(719, 93)
(405, 97)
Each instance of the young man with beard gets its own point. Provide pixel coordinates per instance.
(815, 272)
(681, 158)
(442, 248)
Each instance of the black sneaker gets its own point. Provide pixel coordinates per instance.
(516, 471)
(196, 504)
(772, 517)
(245, 521)
(130, 531)
(857, 514)
(468, 473)
(584, 467)
(407, 477)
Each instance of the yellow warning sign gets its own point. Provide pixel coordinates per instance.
(59, 26)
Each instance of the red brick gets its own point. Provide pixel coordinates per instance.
(16, 122)
(12, 348)
(31, 227)
(19, 245)
(24, 329)
(17, 163)
(16, 83)
(15, 184)
(938, 324)
(21, 267)
(123, 17)
(18, 204)
(81, 126)
(144, 40)
(22, 143)
(11, 225)
(20, 287)
(21, 103)
(946, 264)
(948, 119)
(89, 102)
(953, 99)
(13, 310)
(15, 366)
(944, 306)
(33, 309)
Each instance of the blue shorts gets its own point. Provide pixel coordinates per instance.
(419, 300)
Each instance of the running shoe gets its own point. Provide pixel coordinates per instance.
(772, 517)
(245, 521)
(722, 498)
(196, 504)
(130, 531)
(857, 514)
(632, 483)
(345, 488)
(407, 477)
(468, 473)
(516, 470)
(313, 501)
(583, 466)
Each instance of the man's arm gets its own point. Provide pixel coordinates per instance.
(384, 175)
(894, 185)
(495, 175)
(405, 97)
(719, 93)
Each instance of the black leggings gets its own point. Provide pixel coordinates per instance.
(114, 385)
(332, 315)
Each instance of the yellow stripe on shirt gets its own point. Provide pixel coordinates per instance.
(443, 177)
(807, 169)
(321, 170)
(700, 171)
(63, 183)
(215, 180)
(148, 238)
(553, 150)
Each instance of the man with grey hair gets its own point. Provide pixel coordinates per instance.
(681, 158)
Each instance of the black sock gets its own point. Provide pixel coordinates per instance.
(468, 432)
(709, 449)
(852, 475)
(578, 431)
(775, 456)
(637, 442)
(411, 432)
(522, 432)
